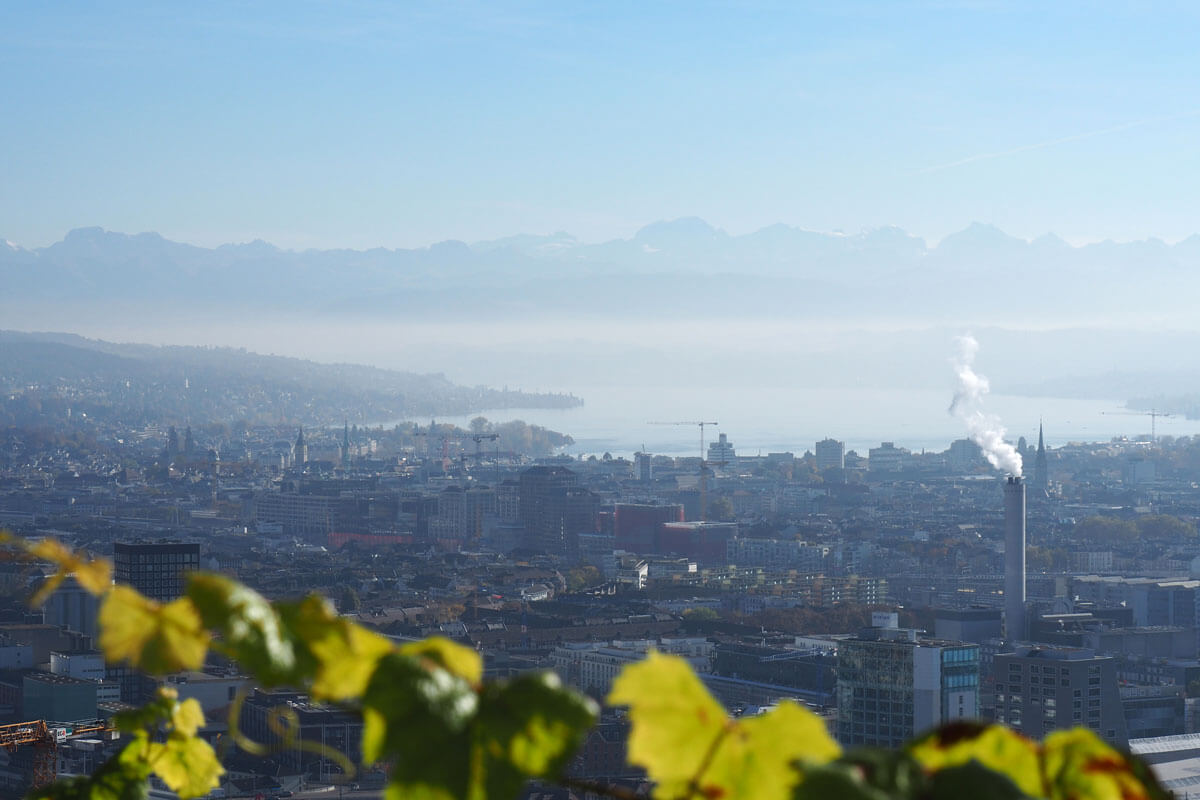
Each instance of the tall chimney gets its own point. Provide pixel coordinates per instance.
(1014, 559)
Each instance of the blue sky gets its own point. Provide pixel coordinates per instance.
(366, 124)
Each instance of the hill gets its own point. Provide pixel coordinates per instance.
(43, 375)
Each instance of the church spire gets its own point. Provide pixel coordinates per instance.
(1041, 477)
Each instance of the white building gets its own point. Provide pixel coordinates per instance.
(831, 454)
(592, 666)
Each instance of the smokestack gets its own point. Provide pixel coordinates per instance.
(1014, 559)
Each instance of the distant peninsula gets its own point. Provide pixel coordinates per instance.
(47, 377)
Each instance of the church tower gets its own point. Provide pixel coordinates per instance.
(301, 449)
(1041, 479)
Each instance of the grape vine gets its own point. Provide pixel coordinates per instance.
(447, 733)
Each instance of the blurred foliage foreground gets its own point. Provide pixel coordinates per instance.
(444, 733)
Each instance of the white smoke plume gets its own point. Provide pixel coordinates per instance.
(983, 428)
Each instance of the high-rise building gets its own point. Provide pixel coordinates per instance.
(721, 451)
(159, 571)
(645, 466)
(831, 454)
(1040, 689)
(555, 509)
(893, 685)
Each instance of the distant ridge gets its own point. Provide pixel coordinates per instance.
(667, 268)
(148, 384)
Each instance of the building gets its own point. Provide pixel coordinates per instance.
(976, 625)
(307, 516)
(831, 454)
(636, 525)
(73, 607)
(705, 542)
(777, 553)
(964, 456)
(887, 458)
(321, 727)
(1041, 471)
(893, 685)
(721, 451)
(159, 571)
(60, 698)
(1040, 689)
(592, 666)
(301, 449)
(555, 509)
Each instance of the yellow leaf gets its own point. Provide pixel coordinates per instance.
(157, 638)
(462, 661)
(1078, 764)
(94, 575)
(688, 745)
(187, 765)
(346, 653)
(675, 720)
(993, 746)
(188, 717)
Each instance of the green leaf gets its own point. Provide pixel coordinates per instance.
(345, 654)
(462, 661)
(528, 727)
(157, 638)
(250, 629)
(972, 780)
(419, 716)
(687, 744)
(842, 781)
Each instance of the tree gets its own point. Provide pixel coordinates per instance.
(720, 509)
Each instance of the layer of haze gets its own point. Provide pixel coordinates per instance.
(399, 124)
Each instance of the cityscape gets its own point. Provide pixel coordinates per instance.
(534, 400)
(888, 591)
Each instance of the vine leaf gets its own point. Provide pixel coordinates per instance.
(451, 656)
(688, 745)
(186, 764)
(125, 776)
(1078, 764)
(993, 746)
(420, 717)
(527, 727)
(345, 654)
(250, 629)
(675, 720)
(154, 637)
(94, 575)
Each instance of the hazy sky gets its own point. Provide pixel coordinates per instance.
(399, 124)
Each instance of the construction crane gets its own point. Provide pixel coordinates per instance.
(703, 463)
(1153, 414)
(44, 740)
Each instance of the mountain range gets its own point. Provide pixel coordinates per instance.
(683, 267)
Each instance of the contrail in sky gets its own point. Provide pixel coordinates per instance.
(1054, 142)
